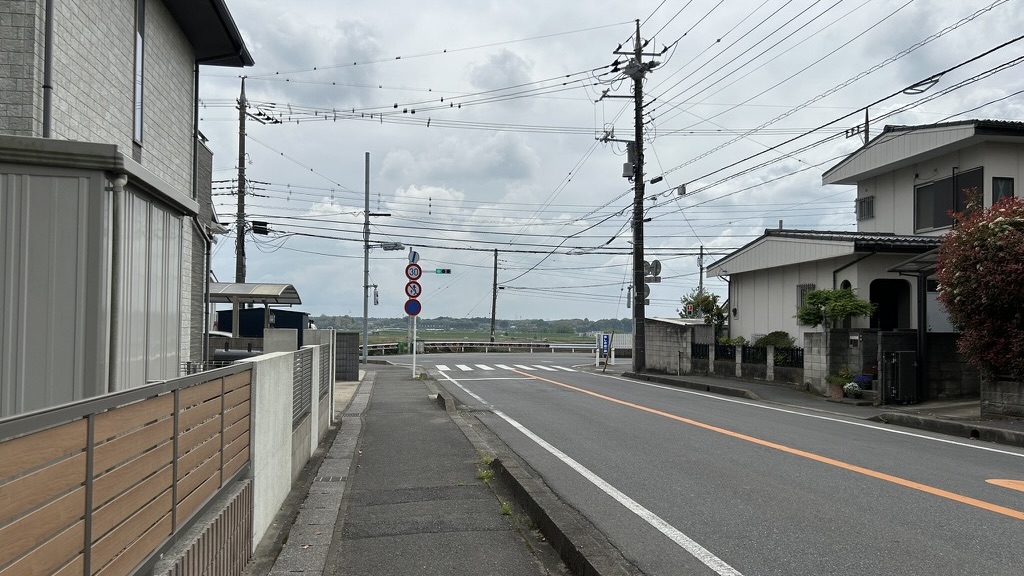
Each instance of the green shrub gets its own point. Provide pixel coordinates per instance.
(779, 339)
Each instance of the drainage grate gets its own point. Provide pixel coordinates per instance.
(329, 479)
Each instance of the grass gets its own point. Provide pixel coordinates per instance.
(484, 475)
(506, 508)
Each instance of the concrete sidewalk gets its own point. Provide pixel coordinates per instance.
(400, 490)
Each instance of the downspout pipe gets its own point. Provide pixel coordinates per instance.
(208, 242)
(116, 264)
(48, 70)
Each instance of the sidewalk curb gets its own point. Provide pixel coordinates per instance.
(714, 389)
(968, 430)
(581, 546)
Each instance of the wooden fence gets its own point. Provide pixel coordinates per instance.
(102, 485)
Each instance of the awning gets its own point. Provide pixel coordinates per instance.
(922, 264)
(229, 292)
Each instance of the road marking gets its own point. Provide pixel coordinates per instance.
(503, 367)
(543, 367)
(1011, 484)
(463, 367)
(696, 550)
(809, 455)
(564, 368)
(861, 424)
(530, 368)
(442, 367)
(484, 367)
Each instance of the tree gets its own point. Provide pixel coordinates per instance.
(980, 271)
(706, 306)
(831, 307)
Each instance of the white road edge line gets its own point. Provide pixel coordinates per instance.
(694, 549)
(816, 416)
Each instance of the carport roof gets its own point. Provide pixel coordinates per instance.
(229, 292)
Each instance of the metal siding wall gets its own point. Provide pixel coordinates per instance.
(47, 291)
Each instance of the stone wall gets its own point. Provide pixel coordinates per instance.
(949, 373)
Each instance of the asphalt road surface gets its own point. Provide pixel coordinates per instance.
(684, 482)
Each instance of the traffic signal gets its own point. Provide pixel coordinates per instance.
(442, 270)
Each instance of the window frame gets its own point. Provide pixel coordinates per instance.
(865, 208)
(943, 196)
(1004, 180)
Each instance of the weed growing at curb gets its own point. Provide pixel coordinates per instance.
(484, 475)
(506, 509)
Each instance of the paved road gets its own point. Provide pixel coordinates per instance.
(690, 483)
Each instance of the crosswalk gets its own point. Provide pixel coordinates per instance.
(513, 367)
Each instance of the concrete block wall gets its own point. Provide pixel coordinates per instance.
(815, 362)
(1002, 398)
(280, 340)
(664, 341)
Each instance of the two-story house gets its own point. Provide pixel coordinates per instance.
(101, 224)
(908, 179)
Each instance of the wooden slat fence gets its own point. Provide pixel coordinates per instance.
(98, 486)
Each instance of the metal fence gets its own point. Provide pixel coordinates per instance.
(700, 351)
(325, 370)
(789, 357)
(302, 387)
(755, 355)
(725, 352)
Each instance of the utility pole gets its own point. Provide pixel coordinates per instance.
(494, 293)
(366, 265)
(637, 69)
(240, 217)
(700, 264)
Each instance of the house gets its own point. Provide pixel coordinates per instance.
(104, 226)
(908, 178)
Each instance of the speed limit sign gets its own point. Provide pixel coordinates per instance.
(413, 271)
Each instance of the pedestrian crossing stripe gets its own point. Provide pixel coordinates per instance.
(486, 368)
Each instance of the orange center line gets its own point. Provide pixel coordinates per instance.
(1017, 514)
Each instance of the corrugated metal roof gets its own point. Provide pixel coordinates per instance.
(226, 293)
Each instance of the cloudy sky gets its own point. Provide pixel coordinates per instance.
(482, 119)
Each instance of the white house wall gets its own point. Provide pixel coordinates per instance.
(776, 251)
(894, 191)
(766, 300)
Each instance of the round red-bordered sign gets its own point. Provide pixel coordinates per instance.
(413, 289)
(413, 271)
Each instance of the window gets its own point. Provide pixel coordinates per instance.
(1001, 188)
(865, 208)
(934, 201)
(801, 293)
(140, 27)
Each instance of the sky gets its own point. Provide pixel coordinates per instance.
(485, 123)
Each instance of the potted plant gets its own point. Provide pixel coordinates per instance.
(837, 380)
(864, 381)
(852, 390)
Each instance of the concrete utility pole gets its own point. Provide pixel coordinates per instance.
(494, 293)
(366, 265)
(637, 69)
(240, 217)
(700, 264)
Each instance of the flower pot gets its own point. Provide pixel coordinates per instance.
(835, 391)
